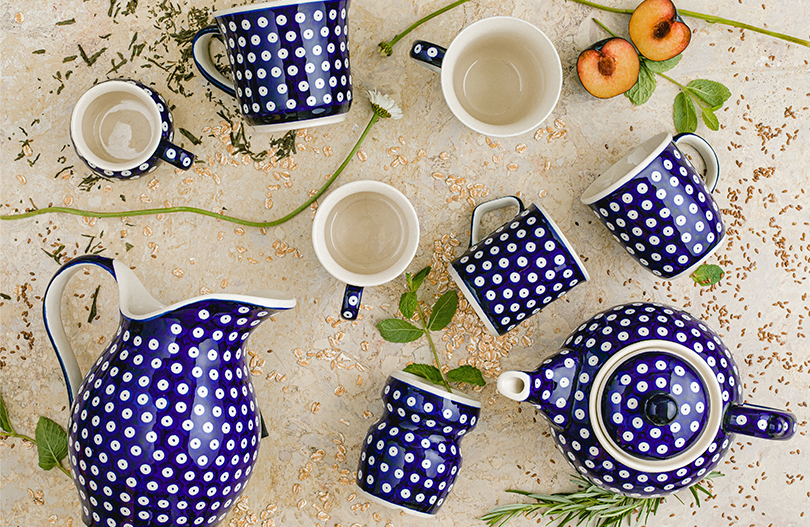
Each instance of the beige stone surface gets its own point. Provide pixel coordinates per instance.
(318, 378)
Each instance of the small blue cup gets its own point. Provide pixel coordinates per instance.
(657, 206)
(517, 270)
(289, 62)
(122, 129)
(411, 457)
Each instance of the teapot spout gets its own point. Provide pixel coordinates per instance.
(550, 387)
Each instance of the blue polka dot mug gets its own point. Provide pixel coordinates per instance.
(644, 399)
(657, 206)
(517, 270)
(123, 129)
(289, 62)
(411, 457)
(164, 429)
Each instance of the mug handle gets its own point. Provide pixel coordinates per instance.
(489, 206)
(201, 52)
(428, 54)
(174, 155)
(707, 153)
(52, 316)
(759, 421)
(351, 302)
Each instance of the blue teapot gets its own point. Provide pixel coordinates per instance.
(644, 399)
(164, 429)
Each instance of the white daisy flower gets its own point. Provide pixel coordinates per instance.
(383, 105)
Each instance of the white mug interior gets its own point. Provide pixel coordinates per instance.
(361, 194)
(626, 168)
(501, 76)
(115, 126)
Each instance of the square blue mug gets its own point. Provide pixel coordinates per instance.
(657, 206)
(517, 270)
(289, 62)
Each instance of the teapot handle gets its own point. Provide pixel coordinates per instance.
(760, 421)
(52, 315)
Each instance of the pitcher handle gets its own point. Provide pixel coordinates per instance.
(428, 55)
(201, 52)
(707, 153)
(489, 206)
(760, 421)
(52, 315)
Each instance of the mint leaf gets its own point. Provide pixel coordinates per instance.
(395, 330)
(710, 119)
(712, 93)
(685, 114)
(660, 66)
(468, 374)
(644, 87)
(707, 274)
(407, 304)
(443, 311)
(418, 278)
(52, 443)
(426, 371)
(5, 422)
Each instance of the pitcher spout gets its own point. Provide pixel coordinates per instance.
(550, 388)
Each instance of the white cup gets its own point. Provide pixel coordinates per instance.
(501, 76)
(365, 233)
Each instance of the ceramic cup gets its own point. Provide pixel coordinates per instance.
(517, 270)
(289, 62)
(123, 129)
(365, 233)
(501, 76)
(412, 455)
(656, 205)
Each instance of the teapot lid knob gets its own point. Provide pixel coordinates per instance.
(660, 408)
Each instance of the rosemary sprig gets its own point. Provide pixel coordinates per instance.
(590, 505)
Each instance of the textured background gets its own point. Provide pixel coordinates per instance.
(319, 379)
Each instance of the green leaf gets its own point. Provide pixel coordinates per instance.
(418, 278)
(52, 443)
(707, 274)
(5, 422)
(644, 87)
(660, 66)
(468, 374)
(685, 114)
(712, 93)
(443, 311)
(407, 304)
(395, 330)
(426, 371)
(710, 119)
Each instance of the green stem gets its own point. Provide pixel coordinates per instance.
(670, 79)
(603, 26)
(34, 442)
(708, 18)
(432, 347)
(169, 210)
(386, 48)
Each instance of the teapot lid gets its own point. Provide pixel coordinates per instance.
(656, 406)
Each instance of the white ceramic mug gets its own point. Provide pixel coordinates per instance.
(365, 233)
(501, 76)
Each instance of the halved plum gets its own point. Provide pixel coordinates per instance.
(608, 68)
(658, 31)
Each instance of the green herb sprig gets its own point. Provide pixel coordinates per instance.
(589, 505)
(709, 95)
(707, 275)
(712, 19)
(401, 331)
(49, 438)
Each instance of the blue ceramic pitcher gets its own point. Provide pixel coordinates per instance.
(164, 429)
